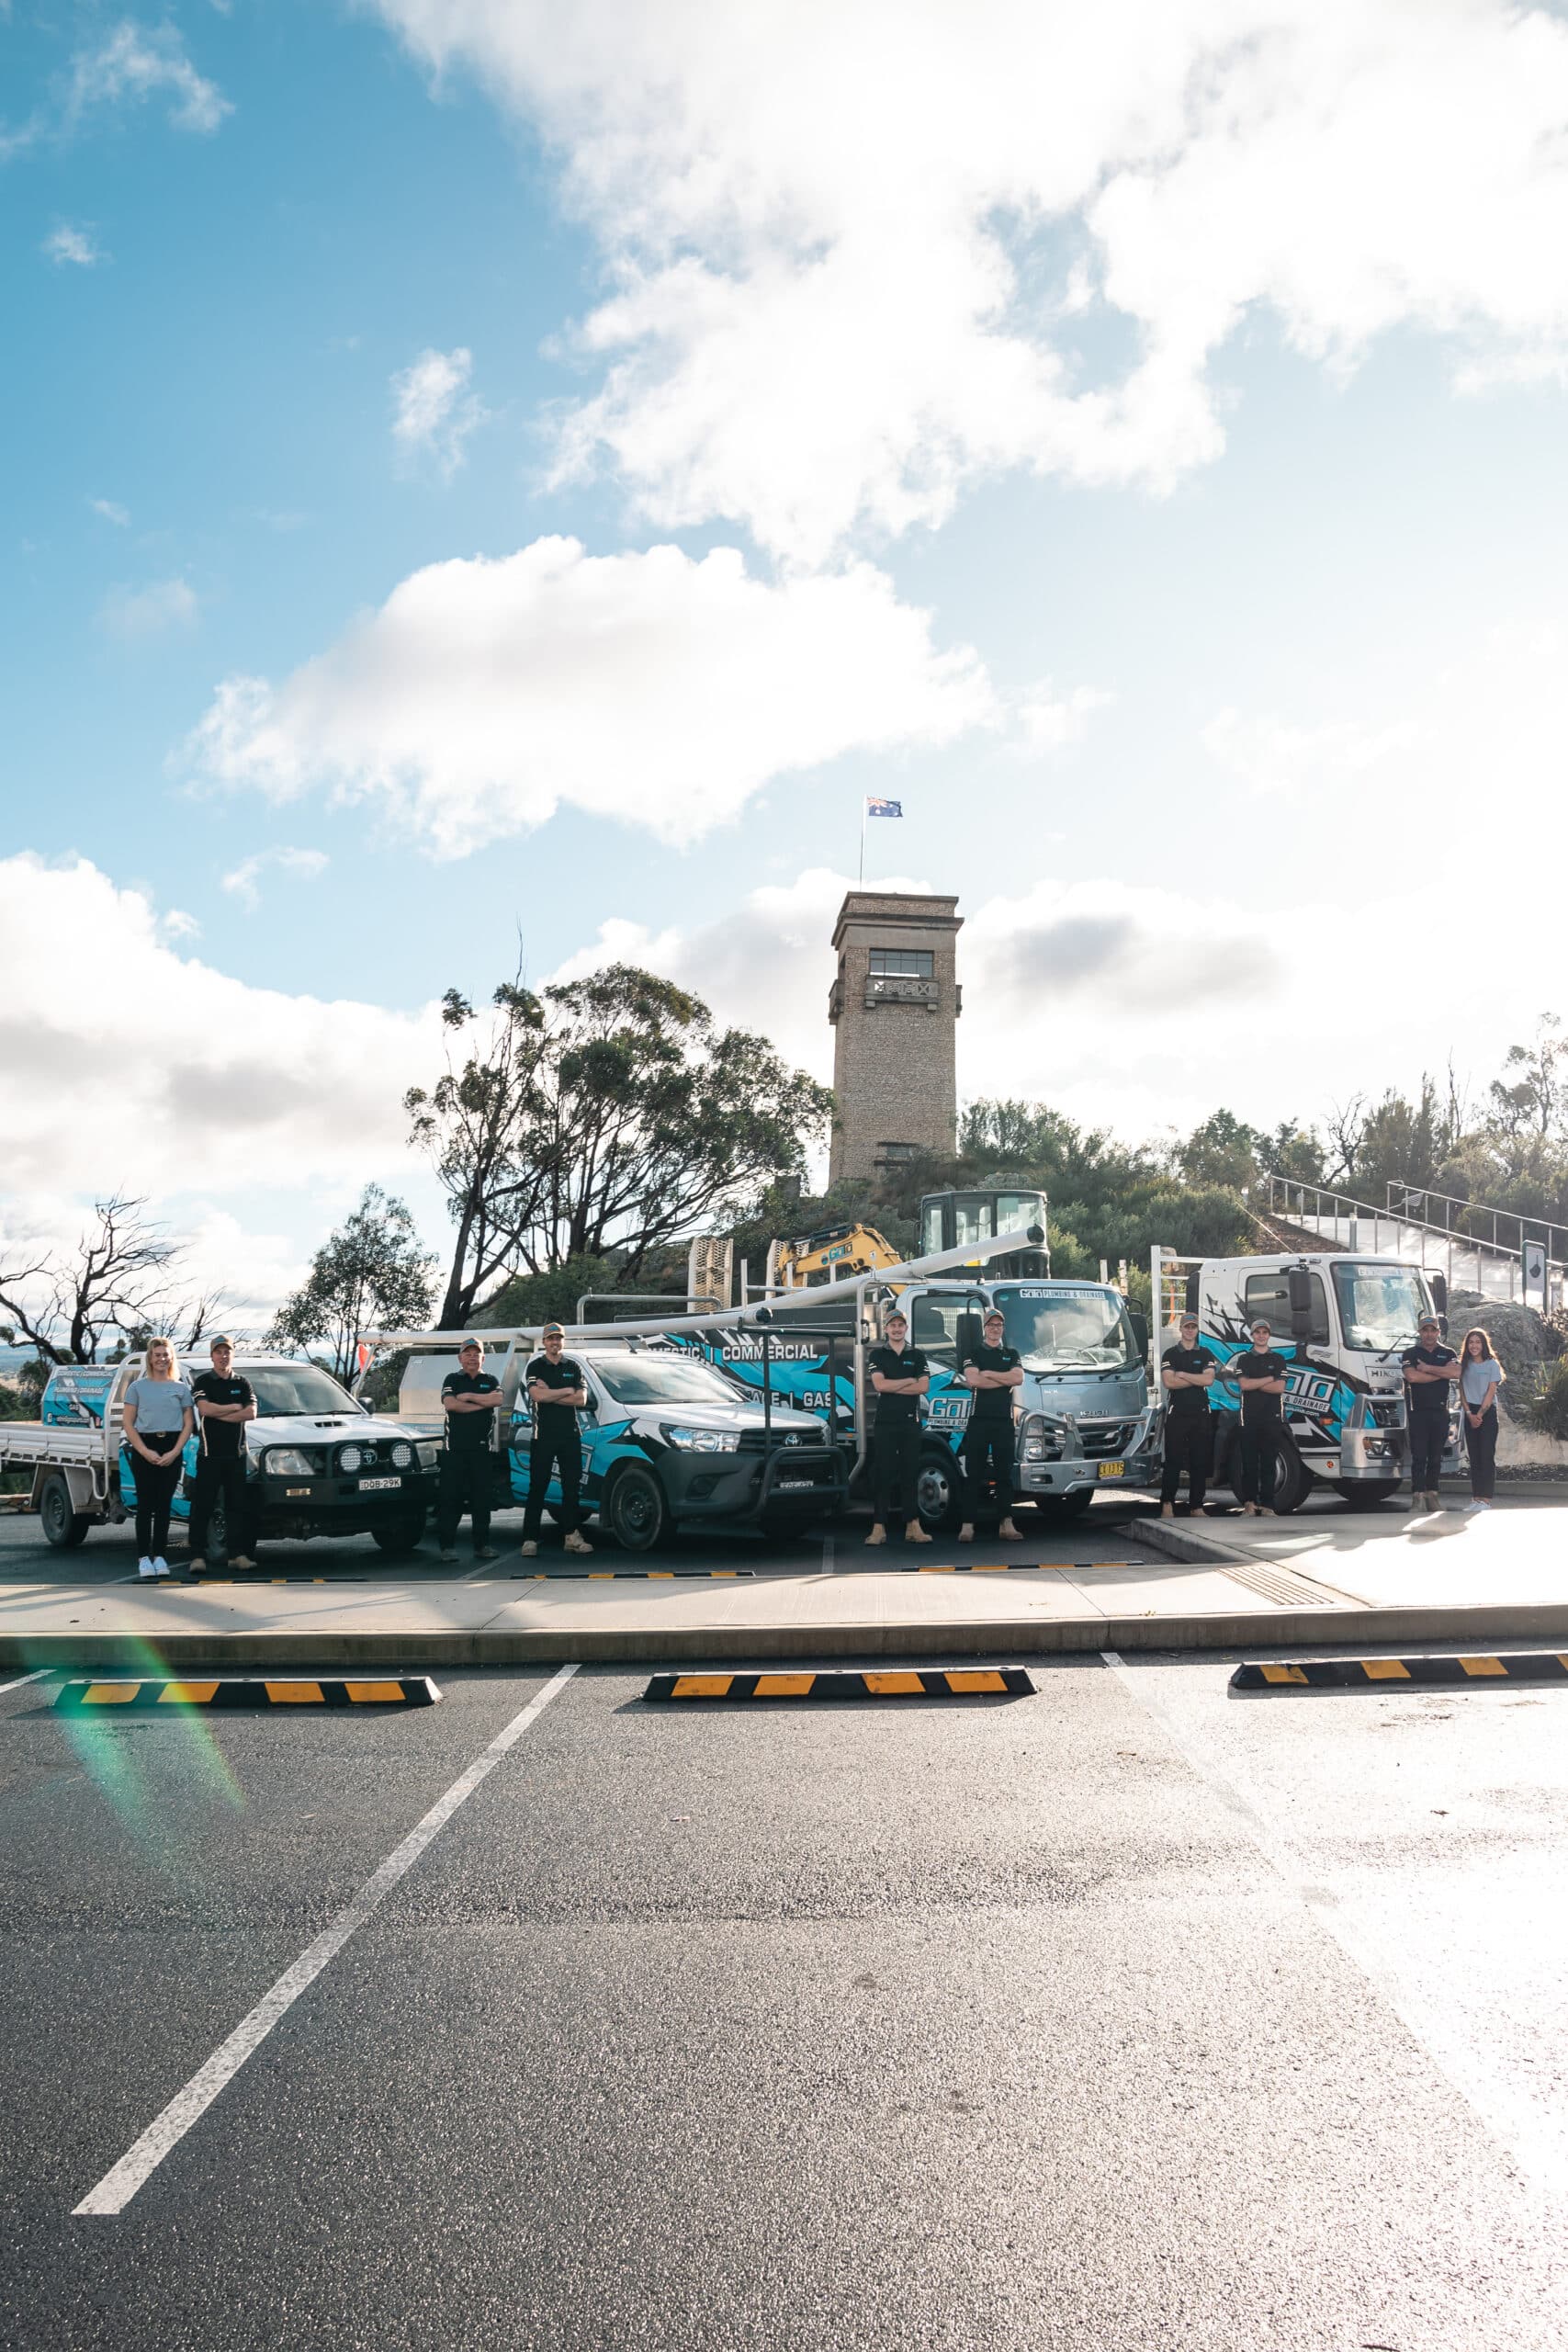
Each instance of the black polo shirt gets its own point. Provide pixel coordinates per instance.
(1428, 1396)
(1187, 1404)
(990, 1404)
(469, 1432)
(222, 1441)
(554, 1421)
(897, 1363)
(1257, 1403)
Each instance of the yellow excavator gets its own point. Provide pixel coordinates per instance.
(947, 1221)
(830, 1255)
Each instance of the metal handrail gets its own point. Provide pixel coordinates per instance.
(1289, 1196)
(1526, 1229)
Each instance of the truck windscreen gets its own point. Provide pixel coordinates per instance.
(285, 1388)
(662, 1380)
(1056, 1330)
(1380, 1307)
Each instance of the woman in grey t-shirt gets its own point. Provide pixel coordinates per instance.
(1480, 1376)
(160, 1413)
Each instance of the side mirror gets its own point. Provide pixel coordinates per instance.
(1439, 1285)
(1140, 1333)
(1298, 1289)
(1036, 1234)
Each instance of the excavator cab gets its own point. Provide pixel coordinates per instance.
(949, 1219)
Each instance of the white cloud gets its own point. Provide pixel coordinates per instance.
(864, 256)
(433, 411)
(134, 62)
(177, 924)
(246, 1086)
(243, 881)
(111, 511)
(148, 611)
(1046, 721)
(650, 687)
(68, 244)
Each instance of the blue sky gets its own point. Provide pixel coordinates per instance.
(1205, 587)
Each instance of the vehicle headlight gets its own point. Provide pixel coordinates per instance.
(703, 1441)
(288, 1462)
(428, 1455)
(1040, 1438)
(402, 1455)
(354, 1457)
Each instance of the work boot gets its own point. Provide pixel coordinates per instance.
(528, 1550)
(1009, 1532)
(195, 1567)
(486, 1552)
(574, 1542)
(1434, 1502)
(242, 1560)
(878, 1534)
(966, 1532)
(1167, 1510)
(448, 1559)
(915, 1534)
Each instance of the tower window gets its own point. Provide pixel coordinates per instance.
(902, 964)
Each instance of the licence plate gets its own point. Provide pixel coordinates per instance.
(378, 1485)
(793, 1486)
(1113, 1469)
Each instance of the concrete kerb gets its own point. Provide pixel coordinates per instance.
(1545, 1622)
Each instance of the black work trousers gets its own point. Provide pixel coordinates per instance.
(464, 1485)
(219, 1474)
(1482, 1446)
(1428, 1435)
(988, 1452)
(1259, 1460)
(155, 1483)
(562, 1457)
(1190, 1446)
(896, 1467)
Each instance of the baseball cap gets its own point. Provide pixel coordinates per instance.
(553, 1327)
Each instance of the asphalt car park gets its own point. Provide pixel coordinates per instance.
(1122, 2013)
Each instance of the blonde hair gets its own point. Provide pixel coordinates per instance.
(168, 1348)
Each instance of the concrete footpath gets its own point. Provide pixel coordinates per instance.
(1321, 1579)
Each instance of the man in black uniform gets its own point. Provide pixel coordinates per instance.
(991, 1373)
(1429, 1371)
(224, 1403)
(558, 1392)
(469, 1399)
(898, 1375)
(1186, 1374)
(1260, 1376)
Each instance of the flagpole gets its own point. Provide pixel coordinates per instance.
(863, 839)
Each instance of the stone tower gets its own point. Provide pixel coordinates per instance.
(893, 1006)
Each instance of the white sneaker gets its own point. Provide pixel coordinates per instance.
(161, 1567)
(1484, 1506)
(1474, 1504)
(145, 1568)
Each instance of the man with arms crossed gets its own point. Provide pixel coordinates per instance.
(558, 1392)
(1260, 1376)
(469, 1399)
(225, 1401)
(1430, 1369)
(900, 1376)
(991, 1373)
(1186, 1374)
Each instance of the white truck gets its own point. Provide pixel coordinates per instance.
(1341, 1319)
(317, 1463)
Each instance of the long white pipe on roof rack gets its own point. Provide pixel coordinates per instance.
(913, 1270)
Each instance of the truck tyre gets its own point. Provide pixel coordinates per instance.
(939, 1491)
(399, 1534)
(63, 1525)
(1367, 1491)
(1056, 1509)
(1293, 1479)
(637, 1511)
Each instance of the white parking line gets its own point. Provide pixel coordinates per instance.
(36, 1676)
(121, 2183)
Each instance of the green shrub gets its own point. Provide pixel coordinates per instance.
(1547, 1411)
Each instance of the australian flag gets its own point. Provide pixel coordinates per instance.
(884, 807)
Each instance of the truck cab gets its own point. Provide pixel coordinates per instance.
(1342, 1321)
(1085, 1421)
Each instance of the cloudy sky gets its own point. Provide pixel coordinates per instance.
(479, 473)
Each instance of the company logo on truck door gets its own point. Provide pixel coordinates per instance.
(1318, 1399)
